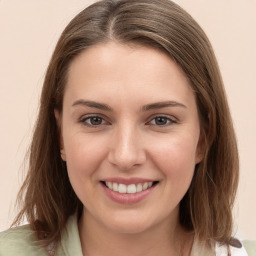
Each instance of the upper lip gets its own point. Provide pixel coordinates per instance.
(127, 181)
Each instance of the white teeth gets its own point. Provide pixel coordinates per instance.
(130, 189)
(109, 185)
(115, 187)
(122, 188)
(139, 188)
(145, 186)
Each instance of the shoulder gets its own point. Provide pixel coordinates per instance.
(20, 241)
(221, 250)
(250, 246)
(200, 248)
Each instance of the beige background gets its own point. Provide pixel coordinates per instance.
(28, 33)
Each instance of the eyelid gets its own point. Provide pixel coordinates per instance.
(171, 119)
(88, 116)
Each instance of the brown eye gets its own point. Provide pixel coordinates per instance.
(93, 121)
(161, 121)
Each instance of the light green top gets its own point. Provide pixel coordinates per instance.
(250, 246)
(21, 241)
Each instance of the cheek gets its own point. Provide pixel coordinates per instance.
(83, 157)
(83, 154)
(176, 159)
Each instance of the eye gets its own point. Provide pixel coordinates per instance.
(93, 121)
(162, 121)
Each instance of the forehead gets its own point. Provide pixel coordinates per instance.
(120, 56)
(110, 69)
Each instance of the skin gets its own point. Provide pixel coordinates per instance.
(128, 141)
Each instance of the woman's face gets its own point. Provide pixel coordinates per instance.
(130, 133)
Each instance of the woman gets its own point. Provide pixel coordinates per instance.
(134, 150)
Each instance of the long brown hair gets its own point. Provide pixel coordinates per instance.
(47, 196)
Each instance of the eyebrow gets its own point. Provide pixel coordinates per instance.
(102, 106)
(163, 104)
(92, 104)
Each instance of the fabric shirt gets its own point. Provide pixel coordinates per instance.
(22, 241)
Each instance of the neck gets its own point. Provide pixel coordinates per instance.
(164, 239)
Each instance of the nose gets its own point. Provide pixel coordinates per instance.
(126, 150)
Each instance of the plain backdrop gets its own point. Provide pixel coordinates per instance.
(29, 30)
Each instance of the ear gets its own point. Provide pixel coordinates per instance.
(58, 122)
(201, 146)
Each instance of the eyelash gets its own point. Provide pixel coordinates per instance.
(84, 120)
(167, 119)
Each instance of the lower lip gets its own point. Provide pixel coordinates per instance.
(127, 198)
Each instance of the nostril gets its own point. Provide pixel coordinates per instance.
(126, 160)
(125, 150)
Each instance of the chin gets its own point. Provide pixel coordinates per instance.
(129, 225)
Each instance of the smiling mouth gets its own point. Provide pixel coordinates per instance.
(128, 189)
